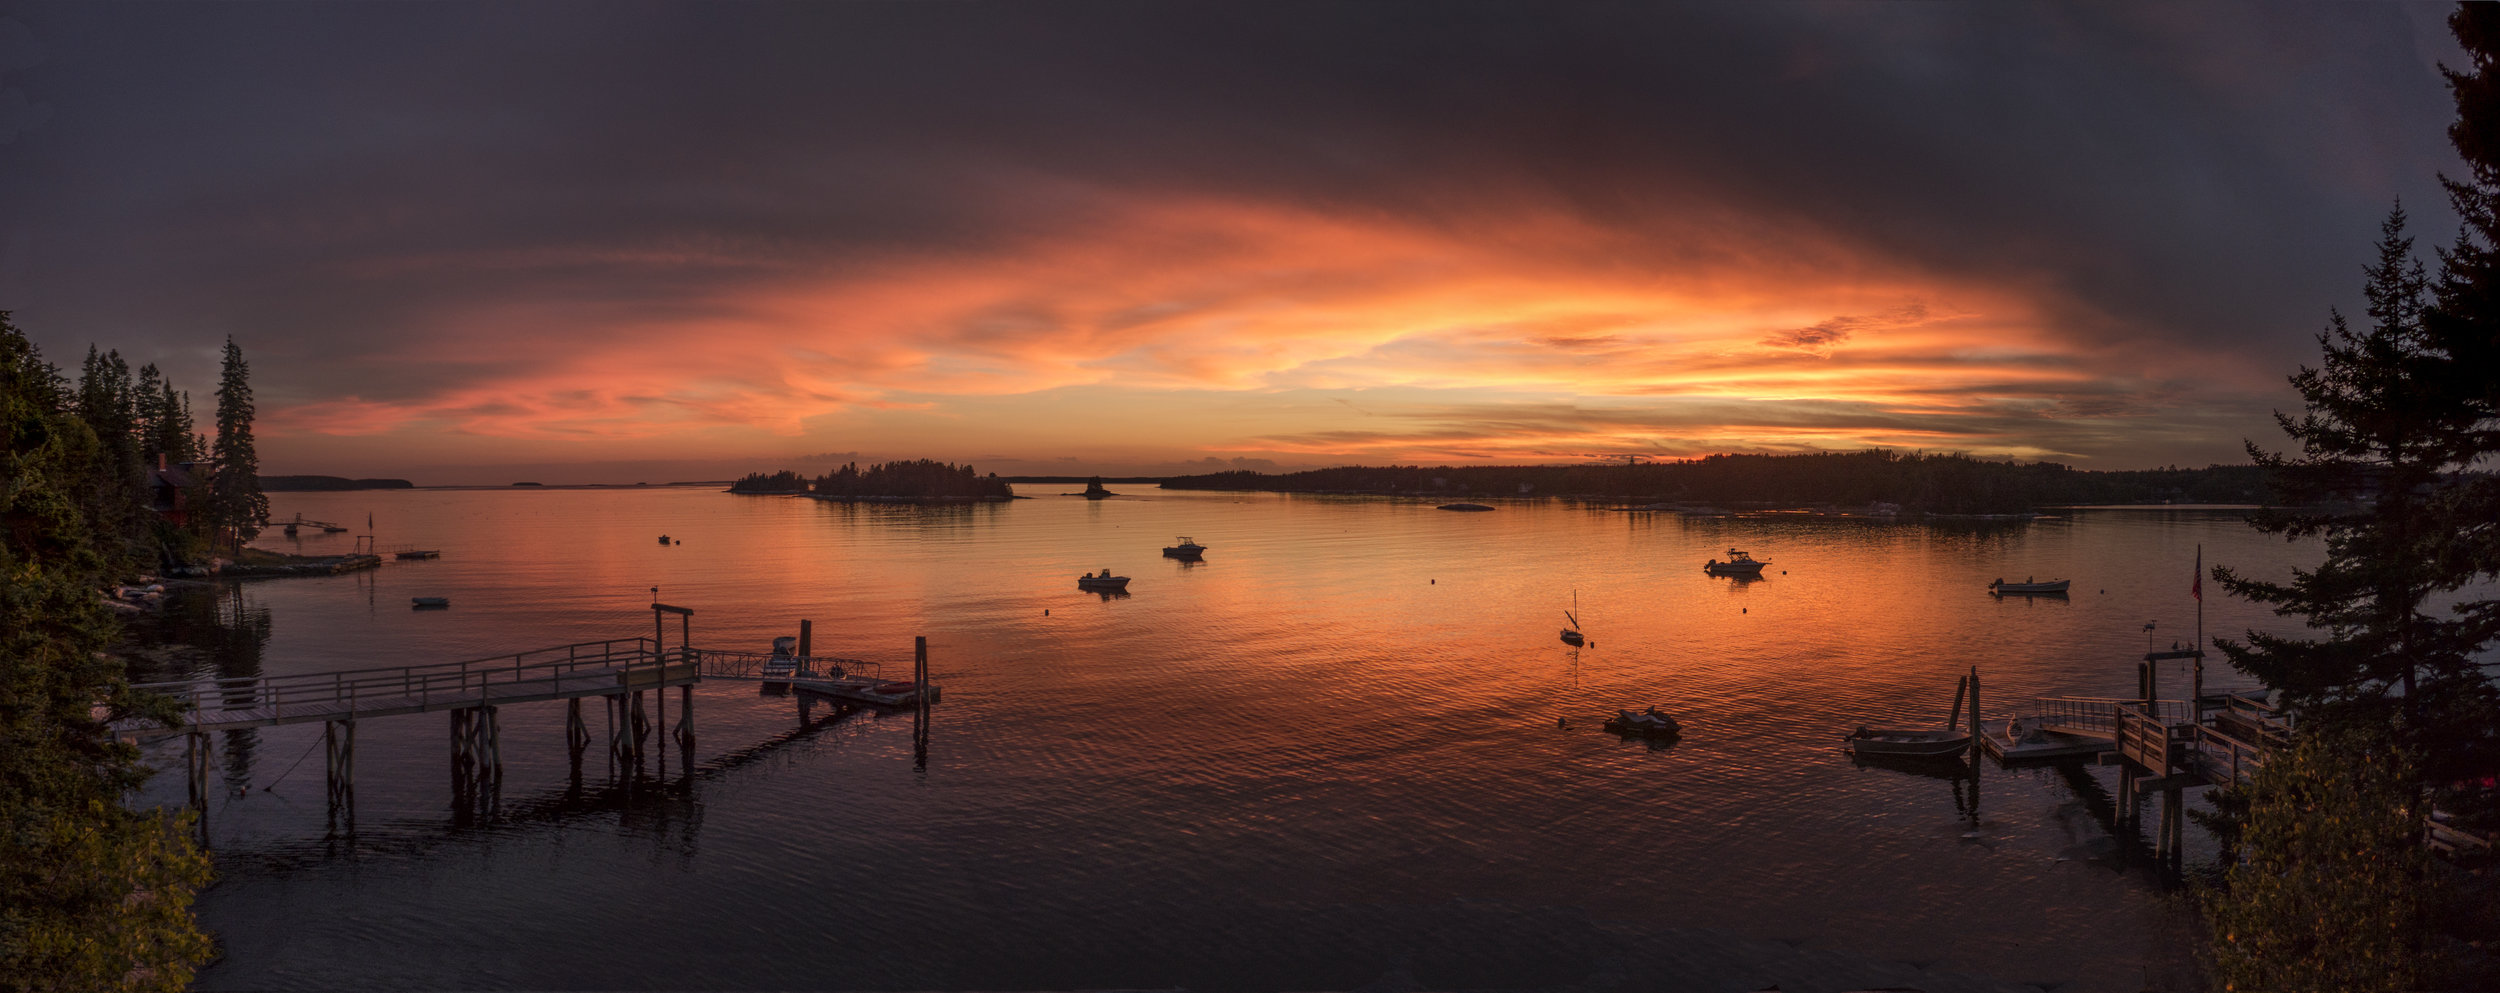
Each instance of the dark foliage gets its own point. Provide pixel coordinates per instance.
(784, 481)
(93, 896)
(236, 510)
(2376, 449)
(923, 479)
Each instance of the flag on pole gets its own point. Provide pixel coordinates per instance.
(2196, 585)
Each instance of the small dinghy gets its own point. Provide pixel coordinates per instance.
(2029, 586)
(1906, 742)
(428, 602)
(1646, 724)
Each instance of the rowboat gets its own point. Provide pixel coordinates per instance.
(1906, 742)
(2001, 587)
(428, 602)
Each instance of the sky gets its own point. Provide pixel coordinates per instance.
(616, 242)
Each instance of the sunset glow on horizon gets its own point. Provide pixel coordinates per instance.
(1039, 263)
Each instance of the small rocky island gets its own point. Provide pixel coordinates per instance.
(918, 481)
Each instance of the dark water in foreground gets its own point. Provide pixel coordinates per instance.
(1327, 755)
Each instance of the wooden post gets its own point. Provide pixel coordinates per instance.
(1974, 705)
(807, 632)
(920, 699)
(1961, 687)
(2175, 814)
(685, 716)
(490, 760)
(195, 769)
(338, 740)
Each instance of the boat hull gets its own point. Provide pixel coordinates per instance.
(2030, 589)
(1907, 744)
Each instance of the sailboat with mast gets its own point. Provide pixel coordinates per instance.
(1571, 635)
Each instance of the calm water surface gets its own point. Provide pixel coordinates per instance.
(1327, 756)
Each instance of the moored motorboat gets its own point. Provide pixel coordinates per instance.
(1907, 742)
(1737, 564)
(1646, 724)
(1188, 548)
(2029, 585)
(1104, 581)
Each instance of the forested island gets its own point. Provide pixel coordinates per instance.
(918, 481)
(1915, 483)
(305, 484)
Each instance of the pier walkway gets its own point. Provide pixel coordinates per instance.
(565, 672)
(621, 672)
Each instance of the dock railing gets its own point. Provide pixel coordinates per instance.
(750, 665)
(2099, 715)
(2224, 759)
(341, 693)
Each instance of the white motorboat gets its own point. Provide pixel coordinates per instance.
(1646, 724)
(1737, 564)
(1103, 581)
(1187, 549)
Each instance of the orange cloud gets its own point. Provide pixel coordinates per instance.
(1685, 334)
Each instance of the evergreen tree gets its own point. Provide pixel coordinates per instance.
(113, 499)
(165, 420)
(93, 896)
(2377, 443)
(2465, 323)
(237, 510)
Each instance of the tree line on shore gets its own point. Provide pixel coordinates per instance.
(1916, 482)
(920, 479)
(93, 894)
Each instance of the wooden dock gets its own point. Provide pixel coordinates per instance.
(623, 673)
(2161, 746)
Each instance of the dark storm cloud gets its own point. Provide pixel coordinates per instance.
(339, 181)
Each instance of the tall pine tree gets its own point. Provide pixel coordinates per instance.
(237, 510)
(2378, 443)
(2464, 324)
